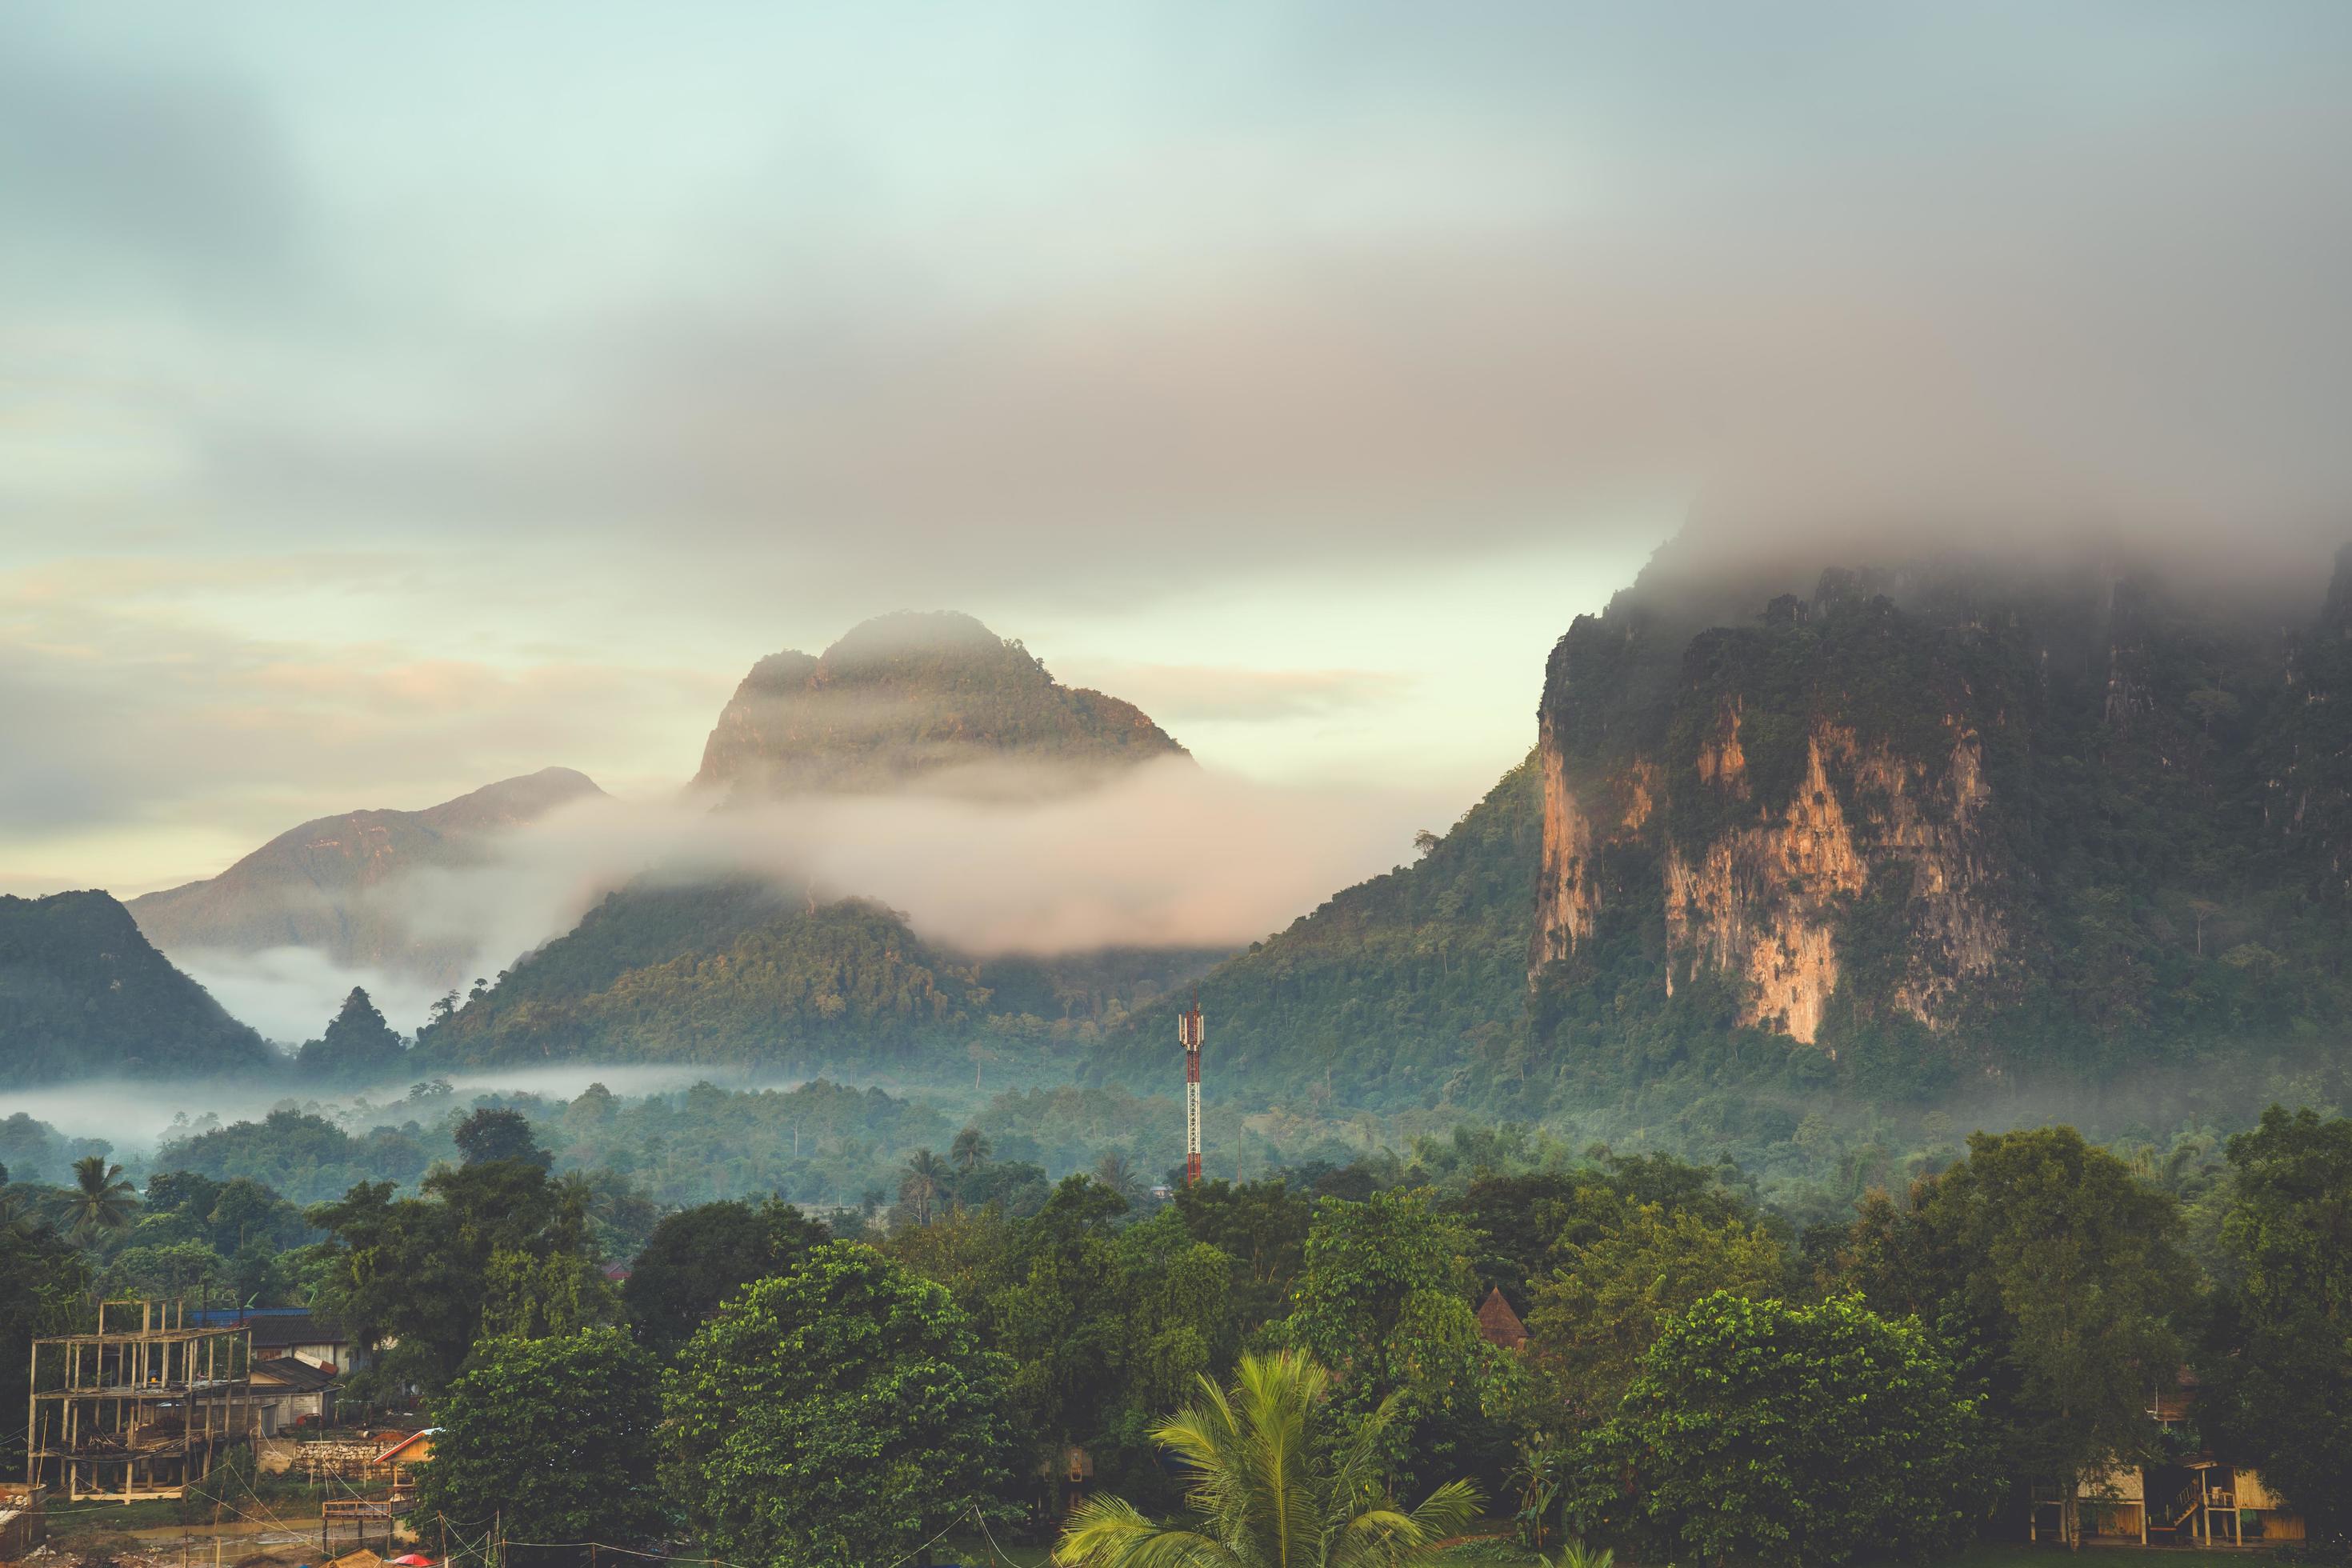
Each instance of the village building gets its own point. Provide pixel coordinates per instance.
(2187, 1498)
(296, 1332)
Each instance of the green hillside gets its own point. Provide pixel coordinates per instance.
(83, 995)
(1394, 990)
(750, 976)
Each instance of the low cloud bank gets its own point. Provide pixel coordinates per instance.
(989, 860)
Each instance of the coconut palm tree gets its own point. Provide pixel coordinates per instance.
(1112, 1170)
(1264, 1494)
(919, 1187)
(99, 1203)
(971, 1149)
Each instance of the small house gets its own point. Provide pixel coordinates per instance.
(398, 1462)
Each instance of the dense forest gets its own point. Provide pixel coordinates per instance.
(1505, 1334)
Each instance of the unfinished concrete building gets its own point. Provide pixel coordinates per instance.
(142, 1408)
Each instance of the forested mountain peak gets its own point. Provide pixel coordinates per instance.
(907, 696)
(83, 995)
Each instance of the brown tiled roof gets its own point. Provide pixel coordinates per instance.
(1499, 1323)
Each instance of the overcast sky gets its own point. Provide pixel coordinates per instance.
(396, 398)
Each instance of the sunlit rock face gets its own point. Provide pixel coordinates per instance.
(1922, 804)
(910, 698)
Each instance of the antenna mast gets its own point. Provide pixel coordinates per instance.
(1190, 1034)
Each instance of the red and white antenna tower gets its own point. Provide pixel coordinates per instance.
(1190, 1034)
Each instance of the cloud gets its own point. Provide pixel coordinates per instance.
(1175, 693)
(1166, 855)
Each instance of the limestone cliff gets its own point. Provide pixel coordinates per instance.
(1978, 812)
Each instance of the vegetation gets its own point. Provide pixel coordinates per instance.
(2279, 1358)
(750, 974)
(1272, 1484)
(2018, 1302)
(839, 1412)
(358, 1046)
(1794, 1436)
(591, 1397)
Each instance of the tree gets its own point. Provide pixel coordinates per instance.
(843, 1413)
(1279, 1478)
(44, 1285)
(969, 1150)
(1594, 1321)
(490, 1134)
(99, 1204)
(172, 1270)
(498, 1238)
(556, 1436)
(919, 1187)
(358, 1046)
(1794, 1436)
(1384, 1303)
(2280, 1382)
(1262, 1226)
(1115, 1175)
(697, 1258)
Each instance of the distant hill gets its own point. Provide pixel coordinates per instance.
(750, 976)
(84, 994)
(905, 697)
(316, 886)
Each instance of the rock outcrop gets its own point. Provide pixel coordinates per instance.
(908, 698)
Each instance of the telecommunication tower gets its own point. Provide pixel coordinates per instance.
(1190, 1033)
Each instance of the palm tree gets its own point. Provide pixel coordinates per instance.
(1266, 1494)
(1112, 1170)
(971, 1149)
(100, 1202)
(926, 1175)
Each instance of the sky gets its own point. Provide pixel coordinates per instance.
(396, 399)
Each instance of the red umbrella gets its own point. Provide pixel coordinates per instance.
(413, 1560)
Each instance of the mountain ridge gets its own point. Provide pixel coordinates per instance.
(312, 885)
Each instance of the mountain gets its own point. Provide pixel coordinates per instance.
(751, 976)
(83, 995)
(906, 697)
(1929, 830)
(320, 885)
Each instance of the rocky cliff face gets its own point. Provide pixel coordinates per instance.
(318, 886)
(1942, 812)
(904, 697)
